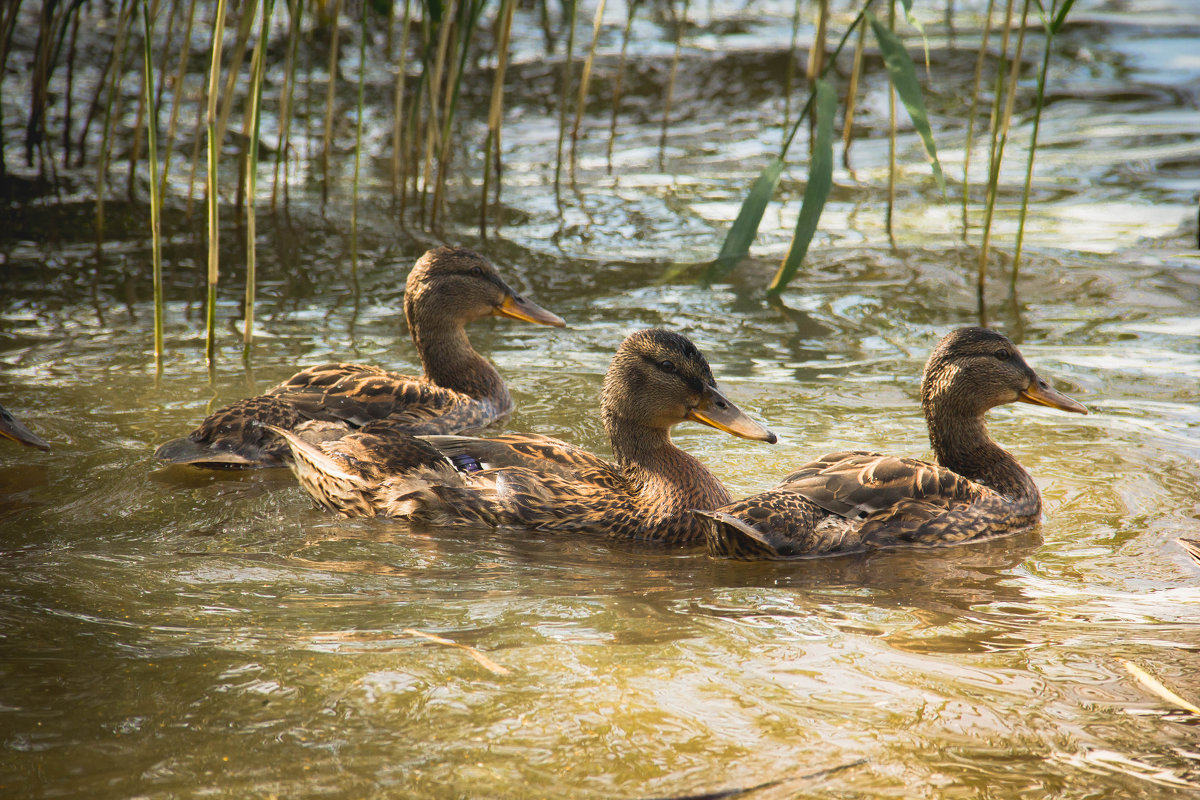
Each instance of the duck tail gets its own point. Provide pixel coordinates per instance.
(325, 478)
(235, 437)
(729, 537)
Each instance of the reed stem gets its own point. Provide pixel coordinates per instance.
(155, 194)
(214, 75)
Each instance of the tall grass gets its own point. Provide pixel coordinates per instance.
(434, 48)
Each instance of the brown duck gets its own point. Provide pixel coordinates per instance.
(849, 501)
(13, 428)
(460, 390)
(657, 379)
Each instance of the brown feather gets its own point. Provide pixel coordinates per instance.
(856, 500)
(539, 483)
(460, 391)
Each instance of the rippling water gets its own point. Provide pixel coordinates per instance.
(166, 635)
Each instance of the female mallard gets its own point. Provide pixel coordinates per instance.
(850, 501)
(460, 390)
(12, 428)
(657, 379)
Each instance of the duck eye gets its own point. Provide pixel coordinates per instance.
(1004, 354)
(476, 272)
(667, 367)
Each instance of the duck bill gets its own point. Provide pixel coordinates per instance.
(717, 412)
(516, 307)
(11, 428)
(1040, 393)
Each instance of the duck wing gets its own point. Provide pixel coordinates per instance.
(861, 486)
(341, 468)
(542, 455)
(359, 394)
(854, 500)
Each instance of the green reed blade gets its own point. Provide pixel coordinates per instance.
(214, 75)
(155, 194)
(585, 78)
(904, 77)
(816, 191)
(745, 227)
(254, 103)
(491, 147)
(286, 96)
(330, 99)
(358, 122)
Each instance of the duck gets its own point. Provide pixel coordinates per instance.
(460, 390)
(657, 379)
(12, 428)
(857, 500)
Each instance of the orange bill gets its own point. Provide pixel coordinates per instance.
(717, 412)
(517, 307)
(1040, 393)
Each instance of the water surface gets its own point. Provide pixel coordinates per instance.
(168, 635)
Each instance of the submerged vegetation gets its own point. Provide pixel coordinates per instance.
(412, 63)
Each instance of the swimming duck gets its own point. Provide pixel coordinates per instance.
(657, 380)
(460, 390)
(849, 501)
(13, 428)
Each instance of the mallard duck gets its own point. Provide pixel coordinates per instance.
(460, 390)
(849, 501)
(12, 428)
(657, 380)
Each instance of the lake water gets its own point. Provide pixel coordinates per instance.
(165, 634)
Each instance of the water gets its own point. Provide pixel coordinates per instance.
(165, 635)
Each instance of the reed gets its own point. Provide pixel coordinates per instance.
(585, 78)
(112, 81)
(330, 99)
(619, 82)
(1001, 116)
(155, 192)
(286, 96)
(398, 159)
(1052, 23)
(564, 93)
(491, 146)
(358, 115)
(214, 145)
(253, 109)
(434, 42)
(670, 91)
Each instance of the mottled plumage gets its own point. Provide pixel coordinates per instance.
(460, 390)
(657, 379)
(13, 428)
(857, 500)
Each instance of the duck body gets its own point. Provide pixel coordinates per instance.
(657, 379)
(460, 390)
(855, 500)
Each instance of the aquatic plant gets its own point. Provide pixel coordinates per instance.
(434, 48)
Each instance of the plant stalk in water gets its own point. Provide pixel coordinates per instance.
(155, 194)
(214, 146)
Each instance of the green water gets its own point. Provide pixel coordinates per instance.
(166, 635)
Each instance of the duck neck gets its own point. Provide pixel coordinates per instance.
(962, 444)
(451, 362)
(665, 479)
